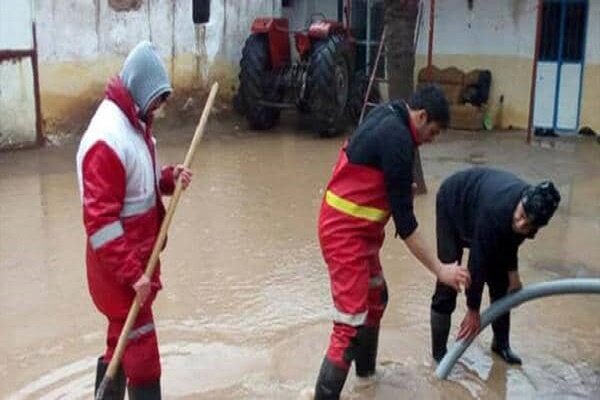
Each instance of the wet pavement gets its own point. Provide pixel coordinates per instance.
(245, 309)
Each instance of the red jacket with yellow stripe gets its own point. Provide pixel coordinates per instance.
(121, 196)
(372, 180)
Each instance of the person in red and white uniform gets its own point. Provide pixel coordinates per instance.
(121, 186)
(373, 181)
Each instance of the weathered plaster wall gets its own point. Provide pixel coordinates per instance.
(17, 103)
(82, 43)
(496, 35)
(17, 95)
(499, 35)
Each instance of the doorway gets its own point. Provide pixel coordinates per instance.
(560, 65)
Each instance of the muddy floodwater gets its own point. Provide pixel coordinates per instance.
(246, 307)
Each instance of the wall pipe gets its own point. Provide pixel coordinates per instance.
(530, 292)
(430, 43)
(536, 55)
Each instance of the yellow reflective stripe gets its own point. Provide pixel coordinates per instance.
(347, 207)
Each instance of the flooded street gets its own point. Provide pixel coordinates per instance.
(244, 313)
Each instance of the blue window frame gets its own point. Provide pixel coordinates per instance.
(563, 38)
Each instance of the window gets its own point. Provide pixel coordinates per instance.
(550, 31)
(574, 32)
(572, 15)
(200, 11)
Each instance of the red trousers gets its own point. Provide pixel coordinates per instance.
(141, 360)
(360, 296)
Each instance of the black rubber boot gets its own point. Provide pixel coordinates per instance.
(500, 343)
(150, 391)
(366, 353)
(116, 389)
(330, 381)
(440, 329)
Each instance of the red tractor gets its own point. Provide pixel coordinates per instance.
(317, 83)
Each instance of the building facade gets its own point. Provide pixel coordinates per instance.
(500, 35)
(56, 55)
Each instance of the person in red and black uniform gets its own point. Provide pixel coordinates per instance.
(121, 186)
(491, 212)
(373, 180)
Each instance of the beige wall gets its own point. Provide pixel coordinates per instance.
(71, 90)
(590, 97)
(78, 55)
(511, 78)
(499, 35)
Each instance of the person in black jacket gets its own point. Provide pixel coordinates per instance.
(491, 212)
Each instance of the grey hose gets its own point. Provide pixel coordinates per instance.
(531, 292)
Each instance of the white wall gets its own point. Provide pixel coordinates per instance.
(592, 48)
(498, 27)
(17, 103)
(99, 31)
(499, 35)
(89, 40)
(496, 35)
(17, 100)
(15, 25)
(239, 15)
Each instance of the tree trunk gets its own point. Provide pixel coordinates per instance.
(401, 20)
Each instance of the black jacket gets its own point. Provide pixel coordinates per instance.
(384, 141)
(480, 203)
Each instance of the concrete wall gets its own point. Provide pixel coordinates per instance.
(496, 35)
(17, 103)
(500, 36)
(83, 42)
(17, 93)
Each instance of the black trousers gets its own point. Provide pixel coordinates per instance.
(450, 249)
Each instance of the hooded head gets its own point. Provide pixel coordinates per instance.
(145, 76)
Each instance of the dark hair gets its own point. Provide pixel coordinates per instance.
(165, 96)
(431, 98)
(540, 202)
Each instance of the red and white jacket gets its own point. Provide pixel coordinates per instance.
(121, 196)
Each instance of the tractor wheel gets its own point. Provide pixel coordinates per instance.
(254, 68)
(328, 84)
(360, 84)
(238, 103)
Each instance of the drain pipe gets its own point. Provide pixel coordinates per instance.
(530, 292)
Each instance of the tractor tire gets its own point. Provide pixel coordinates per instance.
(328, 84)
(360, 84)
(254, 68)
(238, 103)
